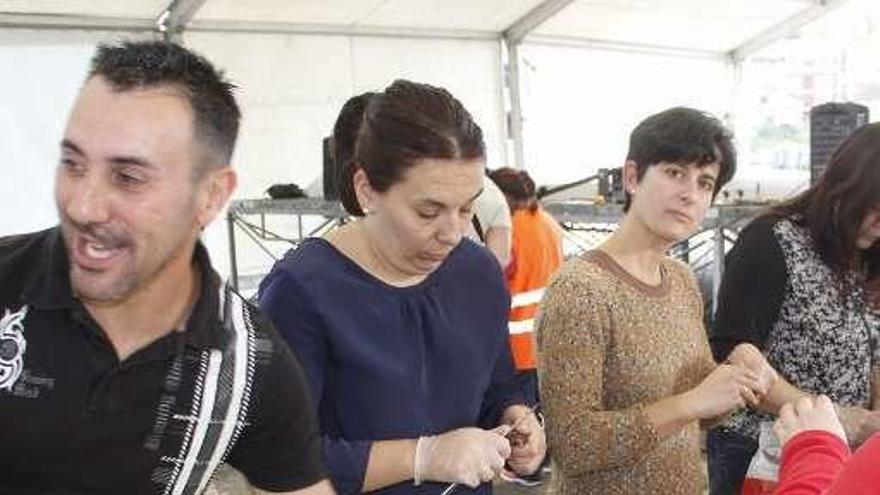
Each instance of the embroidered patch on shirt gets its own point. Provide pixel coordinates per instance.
(12, 347)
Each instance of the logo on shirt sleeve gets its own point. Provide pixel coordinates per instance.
(12, 347)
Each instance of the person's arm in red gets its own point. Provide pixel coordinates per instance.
(815, 455)
(811, 462)
(861, 474)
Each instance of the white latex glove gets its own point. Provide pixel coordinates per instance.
(469, 456)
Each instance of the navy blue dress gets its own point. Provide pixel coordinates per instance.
(386, 362)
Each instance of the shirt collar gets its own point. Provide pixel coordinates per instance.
(204, 327)
(48, 288)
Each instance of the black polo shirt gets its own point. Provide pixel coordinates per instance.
(74, 419)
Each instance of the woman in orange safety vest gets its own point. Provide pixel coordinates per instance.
(536, 253)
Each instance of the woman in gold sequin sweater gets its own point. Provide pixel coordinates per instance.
(625, 368)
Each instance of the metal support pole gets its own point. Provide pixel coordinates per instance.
(515, 117)
(717, 263)
(174, 19)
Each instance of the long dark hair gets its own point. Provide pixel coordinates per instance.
(405, 123)
(834, 208)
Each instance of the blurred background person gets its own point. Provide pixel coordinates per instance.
(536, 253)
(491, 223)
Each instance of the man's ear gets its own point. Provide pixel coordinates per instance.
(214, 191)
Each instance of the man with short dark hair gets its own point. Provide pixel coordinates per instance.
(125, 365)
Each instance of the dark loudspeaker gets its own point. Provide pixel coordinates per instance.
(331, 178)
(611, 185)
(830, 124)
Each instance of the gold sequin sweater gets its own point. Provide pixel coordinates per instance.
(609, 345)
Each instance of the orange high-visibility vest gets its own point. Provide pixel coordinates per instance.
(536, 253)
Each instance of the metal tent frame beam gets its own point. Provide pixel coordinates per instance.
(619, 46)
(513, 37)
(175, 18)
(65, 21)
(784, 28)
(521, 28)
(338, 30)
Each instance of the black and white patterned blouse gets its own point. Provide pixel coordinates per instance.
(779, 295)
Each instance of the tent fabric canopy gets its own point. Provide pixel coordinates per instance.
(684, 24)
(133, 9)
(720, 27)
(297, 61)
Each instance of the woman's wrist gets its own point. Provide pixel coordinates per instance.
(687, 406)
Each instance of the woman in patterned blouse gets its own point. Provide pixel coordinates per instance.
(794, 287)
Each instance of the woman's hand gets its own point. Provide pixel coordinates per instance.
(807, 413)
(469, 456)
(727, 387)
(527, 441)
(749, 357)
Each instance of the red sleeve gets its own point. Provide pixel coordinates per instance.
(861, 474)
(810, 463)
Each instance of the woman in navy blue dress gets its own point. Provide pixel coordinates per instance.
(399, 321)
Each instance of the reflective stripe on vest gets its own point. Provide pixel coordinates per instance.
(527, 298)
(521, 325)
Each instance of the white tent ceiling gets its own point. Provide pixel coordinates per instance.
(718, 26)
(732, 28)
(351, 46)
(462, 15)
(724, 30)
